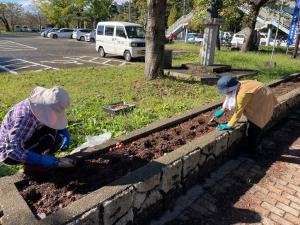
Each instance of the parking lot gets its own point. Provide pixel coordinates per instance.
(31, 52)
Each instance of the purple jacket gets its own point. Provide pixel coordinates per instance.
(17, 127)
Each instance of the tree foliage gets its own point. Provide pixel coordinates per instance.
(98, 10)
(182, 7)
(123, 13)
(200, 12)
(141, 6)
(9, 14)
(173, 16)
(63, 12)
(59, 12)
(234, 18)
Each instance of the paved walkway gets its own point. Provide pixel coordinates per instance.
(263, 190)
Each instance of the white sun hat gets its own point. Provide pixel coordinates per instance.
(48, 106)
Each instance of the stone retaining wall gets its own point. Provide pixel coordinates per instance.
(137, 197)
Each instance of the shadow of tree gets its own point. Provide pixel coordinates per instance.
(229, 201)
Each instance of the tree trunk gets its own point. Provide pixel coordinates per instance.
(251, 40)
(218, 44)
(5, 22)
(155, 38)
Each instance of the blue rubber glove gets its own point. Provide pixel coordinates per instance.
(41, 160)
(66, 139)
(223, 127)
(219, 113)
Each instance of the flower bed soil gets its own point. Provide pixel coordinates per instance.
(55, 190)
(286, 87)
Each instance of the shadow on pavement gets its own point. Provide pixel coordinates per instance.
(231, 200)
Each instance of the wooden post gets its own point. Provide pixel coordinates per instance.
(129, 12)
(296, 45)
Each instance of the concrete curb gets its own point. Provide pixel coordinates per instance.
(209, 79)
(135, 198)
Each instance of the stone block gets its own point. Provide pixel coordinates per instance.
(191, 179)
(127, 219)
(292, 102)
(202, 160)
(148, 184)
(191, 161)
(282, 109)
(208, 69)
(169, 199)
(118, 206)
(152, 208)
(221, 144)
(209, 148)
(276, 113)
(208, 166)
(1, 215)
(139, 199)
(89, 218)
(171, 176)
(153, 197)
(236, 135)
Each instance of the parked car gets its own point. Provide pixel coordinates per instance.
(62, 33)
(18, 28)
(91, 37)
(24, 28)
(283, 43)
(80, 33)
(47, 31)
(277, 43)
(194, 37)
(32, 29)
(238, 40)
(263, 39)
(225, 37)
(120, 38)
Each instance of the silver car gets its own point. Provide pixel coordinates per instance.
(91, 37)
(62, 33)
(47, 31)
(79, 34)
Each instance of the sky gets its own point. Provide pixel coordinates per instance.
(27, 2)
(23, 2)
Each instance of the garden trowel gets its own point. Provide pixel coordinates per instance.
(210, 122)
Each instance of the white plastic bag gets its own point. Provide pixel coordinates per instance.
(92, 141)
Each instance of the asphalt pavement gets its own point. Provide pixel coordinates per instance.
(31, 52)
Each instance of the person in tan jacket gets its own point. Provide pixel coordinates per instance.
(251, 98)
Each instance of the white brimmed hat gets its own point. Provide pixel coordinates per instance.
(48, 106)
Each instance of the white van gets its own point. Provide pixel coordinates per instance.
(263, 39)
(120, 38)
(238, 40)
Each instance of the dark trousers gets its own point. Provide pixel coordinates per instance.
(43, 141)
(254, 134)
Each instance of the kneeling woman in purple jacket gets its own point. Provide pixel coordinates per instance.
(34, 129)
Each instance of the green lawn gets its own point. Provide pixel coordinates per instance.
(285, 64)
(92, 88)
(181, 46)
